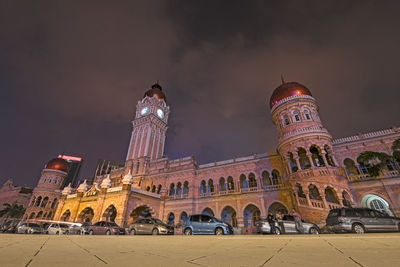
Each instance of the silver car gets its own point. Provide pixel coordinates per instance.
(150, 226)
(57, 229)
(29, 228)
(361, 220)
(287, 226)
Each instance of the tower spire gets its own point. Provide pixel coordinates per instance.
(283, 81)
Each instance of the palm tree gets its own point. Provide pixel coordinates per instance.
(12, 211)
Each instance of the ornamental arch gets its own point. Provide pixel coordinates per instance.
(376, 202)
(86, 215)
(109, 214)
(228, 215)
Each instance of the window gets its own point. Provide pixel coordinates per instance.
(288, 218)
(205, 218)
(286, 119)
(307, 114)
(49, 180)
(296, 115)
(97, 224)
(195, 218)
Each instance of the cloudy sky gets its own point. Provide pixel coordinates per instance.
(71, 73)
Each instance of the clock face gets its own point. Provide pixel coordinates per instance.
(144, 110)
(160, 113)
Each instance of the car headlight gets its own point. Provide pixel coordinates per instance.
(225, 224)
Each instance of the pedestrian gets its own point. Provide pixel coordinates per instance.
(271, 221)
(279, 218)
(298, 221)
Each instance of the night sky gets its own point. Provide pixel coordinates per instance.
(71, 73)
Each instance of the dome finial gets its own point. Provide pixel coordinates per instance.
(283, 81)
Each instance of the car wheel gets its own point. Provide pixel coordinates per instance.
(155, 231)
(277, 231)
(108, 232)
(314, 231)
(132, 232)
(188, 231)
(358, 228)
(26, 231)
(67, 232)
(398, 227)
(219, 231)
(91, 232)
(79, 232)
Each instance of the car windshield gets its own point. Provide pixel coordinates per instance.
(63, 226)
(34, 225)
(112, 224)
(158, 221)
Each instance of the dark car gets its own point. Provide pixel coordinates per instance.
(105, 228)
(361, 220)
(206, 225)
(289, 226)
(10, 226)
(150, 226)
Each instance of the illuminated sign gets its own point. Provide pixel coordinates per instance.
(70, 158)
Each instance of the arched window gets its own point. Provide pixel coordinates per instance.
(300, 192)
(296, 115)
(231, 184)
(314, 193)
(316, 156)
(172, 189)
(222, 185)
(243, 181)
(276, 177)
(303, 159)
(159, 189)
(292, 162)
(179, 189)
(307, 114)
(148, 188)
(266, 180)
(38, 200)
(286, 120)
(54, 203)
(44, 202)
(351, 168)
(185, 188)
(153, 189)
(203, 188)
(210, 186)
(252, 180)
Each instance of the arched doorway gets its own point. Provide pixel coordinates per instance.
(183, 217)
(86, 215)
(65, 216)
(110, 213)
(251, 214)
(377, 203)
(171, 218)
(208, 211)
(228, 215)
(277, 206)
(140, 212)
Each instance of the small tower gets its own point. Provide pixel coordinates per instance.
(306, 148)
(149, 126)
(47, 193)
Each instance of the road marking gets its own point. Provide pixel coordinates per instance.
(37, 252)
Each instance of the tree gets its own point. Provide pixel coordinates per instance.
(12, 211)
(396, 149)
(374, 161)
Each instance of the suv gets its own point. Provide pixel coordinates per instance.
(149, 226)
(106, 228)
(206, 225)
(361, 220)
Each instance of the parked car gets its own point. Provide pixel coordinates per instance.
(29, 228)
(85, 228)
(361, 220)
(289, 225)
(77, 229)
(206, 225)
(57, 229)
(10, 226)
(106, 228)
(150, 226)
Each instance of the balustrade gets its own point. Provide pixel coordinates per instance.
(317, 203)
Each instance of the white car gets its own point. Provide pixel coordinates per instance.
(58, 229)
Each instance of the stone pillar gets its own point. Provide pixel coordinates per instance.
(309, 156)
(322, 193)
(297, 162)
(324, 158)
(307, 193)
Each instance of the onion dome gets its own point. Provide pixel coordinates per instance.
(156, 90)
(58, 164)
(287, 89)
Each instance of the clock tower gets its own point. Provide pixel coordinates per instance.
(149, 126)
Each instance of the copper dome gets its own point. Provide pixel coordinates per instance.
(286, 90)
(156, 90)
(57, 164)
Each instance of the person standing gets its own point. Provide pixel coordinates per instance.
(271, 221)
(297, 220)
(279, 218)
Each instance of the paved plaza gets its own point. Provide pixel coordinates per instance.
(258, 250)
